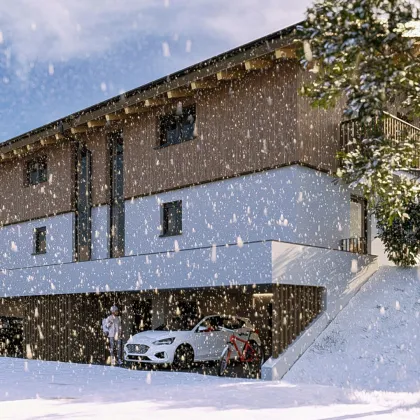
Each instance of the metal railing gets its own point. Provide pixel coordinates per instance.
(356, 245)
(393, 127)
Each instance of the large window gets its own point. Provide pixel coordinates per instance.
(358, 241)
(117, 208)
(358, 218)
(172, 218)
(36, 171)
(83, 204)
(40, 240)
(178, 126)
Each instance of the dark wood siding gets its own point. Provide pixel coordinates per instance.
(245, 125)
(20, 202)
(294, 308)
(254, 123)
(318, 133)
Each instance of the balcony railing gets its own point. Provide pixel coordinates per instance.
(355, 245)
(393, 128)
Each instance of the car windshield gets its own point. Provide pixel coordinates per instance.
(178, 324)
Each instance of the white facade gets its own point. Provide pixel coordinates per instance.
(100, 228)
(17, 242)
(291, 204)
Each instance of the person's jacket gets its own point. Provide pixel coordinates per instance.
(113, 324)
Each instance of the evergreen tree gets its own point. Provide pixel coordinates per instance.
(362, 55)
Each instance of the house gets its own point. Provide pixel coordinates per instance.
(210, 190)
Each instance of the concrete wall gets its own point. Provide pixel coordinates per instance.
(17, 242)
(221, 266)
(341, 273)
(293, 204)
(100, 228)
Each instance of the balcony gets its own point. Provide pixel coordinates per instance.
(355, 245)
(393, 127)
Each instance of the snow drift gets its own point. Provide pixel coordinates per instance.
(374, 343)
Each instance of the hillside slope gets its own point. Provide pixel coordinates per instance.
(374, 343)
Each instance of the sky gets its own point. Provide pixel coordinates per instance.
(60, 56)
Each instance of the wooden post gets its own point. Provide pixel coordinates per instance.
(276, 324)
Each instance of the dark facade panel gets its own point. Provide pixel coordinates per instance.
(250, 124)
(20, 201)
(242, 126)
(318, 131)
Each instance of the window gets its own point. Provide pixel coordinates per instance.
(172, 218)
(117, 208)
(358, 218)
(83, 204)
(36, 171)
(177, 127)
(40, 240)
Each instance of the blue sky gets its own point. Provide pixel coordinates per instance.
(59, 56)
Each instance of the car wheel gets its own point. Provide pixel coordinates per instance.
(184, 357)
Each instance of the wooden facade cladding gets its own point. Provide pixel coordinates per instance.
(294, 308)
(20, 202)
(245, 125)
(249, 124)
(318, 130)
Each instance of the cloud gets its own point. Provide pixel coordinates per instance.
(61, 30)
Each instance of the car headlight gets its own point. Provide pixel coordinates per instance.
(164, 341)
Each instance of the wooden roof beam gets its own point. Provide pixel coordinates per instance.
(48, 141)
(258, 64)
(115, 117)
(96, 123)
(7, 156)
(209, 83)
(155, 101)
(285, 52)
(135, 109)
(230, 74)
(79, 129)
(179, 93)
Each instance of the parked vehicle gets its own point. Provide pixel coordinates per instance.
(182, 341)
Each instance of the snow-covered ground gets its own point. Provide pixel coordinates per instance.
(374, 343)
(364, 366)
(37, 390)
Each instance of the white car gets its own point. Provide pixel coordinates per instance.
(183, 342)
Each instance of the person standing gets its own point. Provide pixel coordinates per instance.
(114, 328)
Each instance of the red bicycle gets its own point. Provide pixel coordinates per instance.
(250, 354)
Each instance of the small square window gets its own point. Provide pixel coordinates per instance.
(172, 218)
(176, 129)
(40, 240)
(36, 171)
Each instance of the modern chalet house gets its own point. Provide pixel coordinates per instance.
(210, 190)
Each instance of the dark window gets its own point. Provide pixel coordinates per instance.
(40, 240)
(172, 218)
(36, 171)
(83, 204)
(117, 229)
(176, 128)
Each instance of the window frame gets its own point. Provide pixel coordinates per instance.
(41, 171)
(365, 215)
(37, 249)
(180, 122)
(177, 204)
(116, 149)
